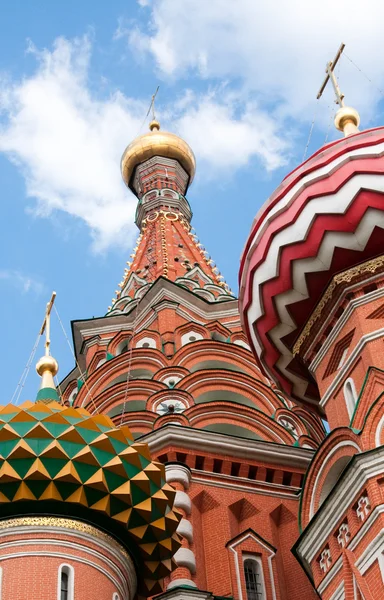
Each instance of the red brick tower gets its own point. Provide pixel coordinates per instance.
(85, 513)
(312, 287)
(170, 360)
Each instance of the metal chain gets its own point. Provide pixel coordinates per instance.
(130, 361)
(311, 130)
(82, 375)
(364, 74)
(23, 378)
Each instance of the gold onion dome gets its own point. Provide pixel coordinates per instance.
(157, 143)
(60, 460)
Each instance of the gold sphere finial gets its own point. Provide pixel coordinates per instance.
(347, 120)
(156, 142)
(154, 125)
(47, 364)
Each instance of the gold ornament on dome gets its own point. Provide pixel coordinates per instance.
(157, 143)
(371, 266)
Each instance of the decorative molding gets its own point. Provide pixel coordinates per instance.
(363, 467)
(342, 320)
(179, 473)
(345, 277)
(228, 445)
(356, 352)
(181, 583)
(183, 501)
(184, 557)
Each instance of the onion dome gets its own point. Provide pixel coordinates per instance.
(156, 143)
(60, 461)
(325, 217)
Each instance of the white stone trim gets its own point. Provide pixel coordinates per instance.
(183, 501)
(178, 473)
(379, 429)
(67, 557)
(228, 445)
(339, 593)
(323, 467)
(179, 582)
(71, 580)
(128, 577)
(184, 557)
(185, 529)
(257, 559)
(336, 567)
(373, 552)
(245, 485)
(356, 352)
(232, 548)
(365, 466)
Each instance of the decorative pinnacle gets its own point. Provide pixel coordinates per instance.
(154, 125)
(47, 367)
(347, 119)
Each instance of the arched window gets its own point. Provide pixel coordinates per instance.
(191, 336)
(65, 583)
(350, 396)
(122, 347)
(115, 596)
(254, 579)
(146, 342)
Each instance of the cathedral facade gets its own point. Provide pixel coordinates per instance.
(187, 457)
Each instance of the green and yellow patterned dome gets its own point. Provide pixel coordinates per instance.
(65, 461)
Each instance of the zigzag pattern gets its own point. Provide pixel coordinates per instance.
(334, 200)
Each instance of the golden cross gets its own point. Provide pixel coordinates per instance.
(152, 105)
(331, 76)
(46, 326)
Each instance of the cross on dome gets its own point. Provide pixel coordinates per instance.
(347, 119)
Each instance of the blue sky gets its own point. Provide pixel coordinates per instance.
(238, 80)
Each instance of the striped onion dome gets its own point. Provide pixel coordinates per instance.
(325, 217)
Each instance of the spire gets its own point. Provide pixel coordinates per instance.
(347, 119)
(47, 367)
(159, 167)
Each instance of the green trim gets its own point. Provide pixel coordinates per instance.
(48, 394)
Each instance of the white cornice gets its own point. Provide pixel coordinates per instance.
(363, 467)
(228, 445)
(242, 484)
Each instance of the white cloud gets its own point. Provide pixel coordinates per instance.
(224, 139)
(68, 143)
(21, 281)
(277, 49)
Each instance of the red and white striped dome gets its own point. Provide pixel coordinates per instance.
(326, 216)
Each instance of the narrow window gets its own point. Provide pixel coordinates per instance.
(115, 596)
(65, 583)
(350, 396)
(253, 579)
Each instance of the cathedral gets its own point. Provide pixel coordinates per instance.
(185, 455)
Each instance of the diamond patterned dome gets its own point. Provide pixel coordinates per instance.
(53, 454)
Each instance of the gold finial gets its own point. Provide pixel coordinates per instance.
(154, 125)
(347, 119)
(47, 367)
